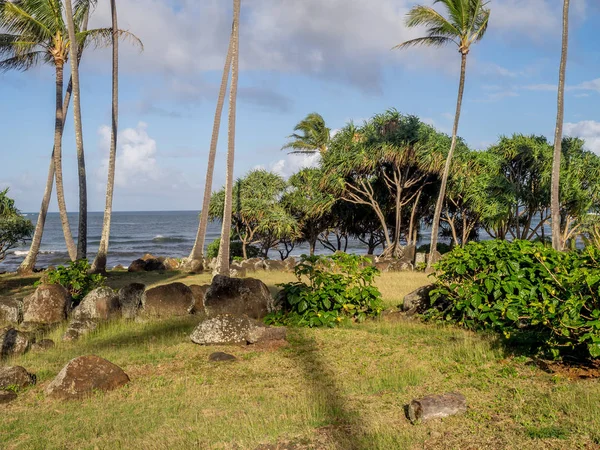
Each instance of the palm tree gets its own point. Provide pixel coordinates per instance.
(223, 257)
(198, 249)
(557, 241)
(466, 24)
(311, 135)
(99, 264)
(73, 52)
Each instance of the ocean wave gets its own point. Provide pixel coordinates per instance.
(21, 252)
(160, 238)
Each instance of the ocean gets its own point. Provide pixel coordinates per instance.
(164, 233)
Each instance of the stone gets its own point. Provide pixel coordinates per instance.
(15, 376)
(78, 328)
(383, 266)
(119, 267)
(248, 265)
(11, 311)
(84, 375)
(420, 258)
(436, 407)
(408, 253)
(13, 342)
(139, 265)
(436, 256)
(221, 356)
(274, 266)
(171, 264)
(290, 264)
(238, 296)
(198, 292)
(237, 273)
(228, 329)
(100, 304)
(7, 397)
(417, 301)
(131, 299)
(48, 305)
(154, 265)
(259, 265)
(44, 344)
(193, 266)
(169, 300)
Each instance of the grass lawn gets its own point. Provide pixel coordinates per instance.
(327, 389)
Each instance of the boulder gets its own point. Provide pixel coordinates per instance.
(193, 266)
(155, 265)
(220, 356)
(418, 300)
(408, 253)
(15, 376)
(48, 305)
(383, 266)
(198, 292)
(84, 375)
(260, 265)
(420, 258)
(7, 397)
(78, 328)
(237, 273)
(248, 265)
(290, 264)
(228, 329)
(171, 264)
(238, 296)
(44, 344)
(11, 310)
(436, 407)
(169, 300)
(13, 342)
(131, 299)
(100, 304)
(119, 267)
(139, 265)
(274, 265)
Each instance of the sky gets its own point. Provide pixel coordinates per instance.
(333, 57)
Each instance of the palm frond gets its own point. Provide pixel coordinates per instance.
(102, 37)
(23, 62)
(427, 41)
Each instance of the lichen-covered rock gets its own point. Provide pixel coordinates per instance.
(78, 328)
(228, 329)
(7, 397)
(11, 311)
(84, 375)
(417, 301)
(238, 296)
(169, 300)
(13, 342)
(171, 264)
(48, 305)
(15, 376)
(131, 299)
(198, 292)
(100, 304)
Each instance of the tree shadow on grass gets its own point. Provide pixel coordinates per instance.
(16, 285)
(340, 422)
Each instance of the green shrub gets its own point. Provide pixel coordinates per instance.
(212, 251)
(340, 287)
(525, 290)
(75, 278)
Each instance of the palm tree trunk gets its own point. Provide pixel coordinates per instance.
(440, 201)
(99, 264)
(557, 240)
(73, 50)
(60, 192)
(198, 249)
(223, 257)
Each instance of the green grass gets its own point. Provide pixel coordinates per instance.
(327, 389)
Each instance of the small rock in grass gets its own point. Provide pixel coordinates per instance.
(15, 376)
(7, 397)
(13, 342)
(221, 356)
(44, 344)
(436, 407)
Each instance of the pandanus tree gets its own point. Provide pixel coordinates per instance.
(557, 238)
(465, 25)
(310, 136)
(35, 32)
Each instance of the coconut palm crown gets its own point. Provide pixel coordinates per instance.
(311, 136)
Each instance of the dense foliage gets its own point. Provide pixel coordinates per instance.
(75, 278)
(212, 250)
(527, 291)
(14, 228)
(338, 287)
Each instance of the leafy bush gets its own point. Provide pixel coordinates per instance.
(212, 251)
(14, 228)
(442, 247)
(525, 290)
(340, 287)
(75, 278)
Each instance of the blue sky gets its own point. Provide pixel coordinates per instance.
(328, 56)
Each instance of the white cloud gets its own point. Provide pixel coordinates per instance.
(589, 130)
(294, 163)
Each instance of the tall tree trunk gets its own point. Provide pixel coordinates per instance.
(60, 191)
(73, 53)
(99, 264)
(557, 241)
(223, 258)
(28, 263)
(440, 201)
(198, 249)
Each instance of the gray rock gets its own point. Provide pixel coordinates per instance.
(7, 397)
(436, 407)
(237, 273)
(238, 296)
(100, 304)
(169, 300)
(78, 328)
(220, 356)
(259, 265)
(408, 253)
(15, 376)
(261, 333)
(418, 300)
(131, 299)
(228, 329)
(48, 305)
(13, 342)
(198, 292)
(44, 344)
(290, 264)
(171, 264)
(420, 258)
(11, 311)
(139, 265)
(84, 375)
(193, 266)
(274, 266)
